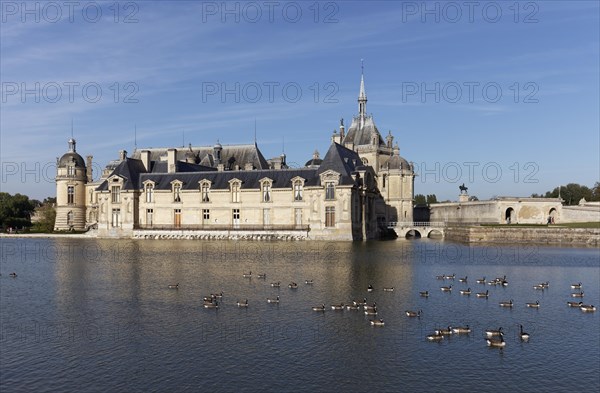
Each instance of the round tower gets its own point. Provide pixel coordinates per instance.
(71, 178)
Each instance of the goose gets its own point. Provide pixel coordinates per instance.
(446, 289)
(351, 307)
(461, 330)
(504, 283)
(500, 279)
(391, 289)
(481, 280)
(496, 341)
(319, 308)
(493, 333)
(577, 294)
(370, 288)
(539, 287)
(371, 312)
(587, 308)
(211, 305)
(576, 286)
(308, 282)
(464, 279)
(217, 295)
(439, 277)
(465, 292)
(424, 293)
(242, 304)
(435, 337)
(293, 285)
(574, 304)
(413, 314)
(492, 282)
(485, 294)
(506, 304)
(210, 298)
(545, 284)
(263, 275)
(376, 322)
(360, 303)
(247, 275)
(524, 336)
(450, 277)
(174, 286)
(444, 332)
(373, 307)
(534, 305)
(276, 300)
(276, 284)
(13, 274)
(337, 306)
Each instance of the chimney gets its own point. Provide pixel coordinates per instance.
(145, 157)
(172, 160)
(248, 166)
(122, 155)
(220, 167)
(88, 168)
(277, 164)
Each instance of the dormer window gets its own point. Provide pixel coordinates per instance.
(266, 192)
(235, 191)
(115, 194)
(204, 191)
(149, 192)
(329, 191)
(298, 190)
(177, 192)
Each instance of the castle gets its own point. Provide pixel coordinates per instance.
(232, 191)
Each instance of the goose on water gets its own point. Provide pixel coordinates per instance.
(446, 289)
(506, 304)
(483, 294)
(534, 305)
(373, 307)
(574, 304)
(576, 286)
(174, 286)
(371, 312)
(293, 285)
(539, 287)
(493, 333)
(465, 291)
(444, 332)
(439, 277)
(461, 330)
(242, 304)
(481, 280)
(577, 294)
(308, 282)
(524, 336)
(413, 314)
(370, 288)
(319, 308)
(496, 341)
(360, 303)
(435, 337)
(424, 294)
(377, 322)
(276, 284)
(450, 277)
(351, 307)
(13, 274)
(463, 279)
(211, 305)
(587, 308)
(337, 306)
(270, 300)
(390, 289)
(263, 275)
(247, 275)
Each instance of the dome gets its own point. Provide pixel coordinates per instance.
(71, 157)
(397, 162)
(313, 162)
(217, 146)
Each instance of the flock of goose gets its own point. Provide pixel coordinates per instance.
(495, 338)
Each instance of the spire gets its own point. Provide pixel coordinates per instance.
(362, 96)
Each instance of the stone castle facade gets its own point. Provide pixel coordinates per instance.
(206, 191)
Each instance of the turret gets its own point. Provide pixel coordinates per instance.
(71, 178)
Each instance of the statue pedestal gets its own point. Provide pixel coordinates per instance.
(463, 198)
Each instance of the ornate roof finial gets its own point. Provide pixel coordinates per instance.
(362, 96)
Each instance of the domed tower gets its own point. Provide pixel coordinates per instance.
(71, 178)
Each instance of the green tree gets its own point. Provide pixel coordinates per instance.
(15, 210)
(571, 193)
(420, 199)
(46, 222)
(596, 192)
(431, 199)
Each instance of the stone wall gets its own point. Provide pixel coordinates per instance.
(540, 235)
(586, 213)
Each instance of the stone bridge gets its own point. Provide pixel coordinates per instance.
(418, 229)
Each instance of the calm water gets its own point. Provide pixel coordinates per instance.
(97, 315)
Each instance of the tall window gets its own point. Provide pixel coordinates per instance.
(177, 218)
(330, 216)
(70, 218)
(204, 191)
(329, 191)
(177, 192)
(266, 192)
(116, 217)
(297, 190)
(235, 192)
(70, 170)
(149, 216)
(70, 195)
(149, 192)
(236, 218)
(115, 194)
(205, 216)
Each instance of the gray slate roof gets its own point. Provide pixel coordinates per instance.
(363, 135)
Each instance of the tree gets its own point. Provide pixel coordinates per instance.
(420, 199)
(431, 199)
(15, 210)
(571, 193)
(596, 192)
(48, 216)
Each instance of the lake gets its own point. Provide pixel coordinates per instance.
(98, 315)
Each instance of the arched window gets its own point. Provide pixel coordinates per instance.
(149, 192)
(298, 190)
(329, 191)
(204, 191)
(235, 192)
(176, 192)
(266, 191)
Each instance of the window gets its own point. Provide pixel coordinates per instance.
(177, 218)
(149, 216)
(115, 194)
(236, 218)
(205, 216)
(70, 218)
(149, 192)
(116, 217)
(266, 192)
(330, 216)
(298, 190)
(235, 192)
(70, 195)
(329, 191)
(204, 191)
(176, 192)
(70, 170)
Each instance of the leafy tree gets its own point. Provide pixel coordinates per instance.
(596, 192)
(15, 210)
(571, 193)
(420, 199)
(48, 216)
(431, 199)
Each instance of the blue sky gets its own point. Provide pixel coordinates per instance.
(540, 131)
